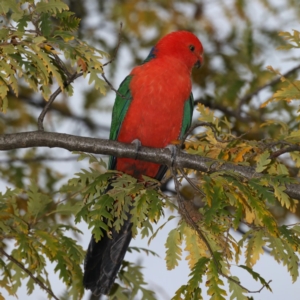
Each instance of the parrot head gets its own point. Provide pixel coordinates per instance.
(182, 45)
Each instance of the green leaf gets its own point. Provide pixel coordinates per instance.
(295, 156)
(263, 161)
(291, 92)
(51, 68)
(51, 6)
(281, 196)
(215, 205)
(294, 38)
(3, 99)
(99, 83)
(159, 228)
(198, 271)
(214, 281)
(140, 249)
(263, 191)
(6, 5)
(192, 289)
(46, 24)
(284, 252)
(133, 279)
(237, 292)
(194, 246)
(254, 247)
(173, 252)
(256, 276)
(66, 36)
(37, 202)
(3, 32)
(23, 22)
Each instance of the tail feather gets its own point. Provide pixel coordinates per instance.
(104, 258)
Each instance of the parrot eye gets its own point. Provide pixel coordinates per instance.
(192, 47)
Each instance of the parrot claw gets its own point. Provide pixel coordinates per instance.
(138, 145)
(173, 149)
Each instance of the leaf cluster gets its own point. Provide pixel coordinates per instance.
(35, 40)
(28, 223)
(229, 200)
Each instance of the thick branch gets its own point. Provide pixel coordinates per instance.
(102, 146)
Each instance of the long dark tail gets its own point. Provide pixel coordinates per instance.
(103, 259)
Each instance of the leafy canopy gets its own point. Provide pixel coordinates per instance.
(39, 48)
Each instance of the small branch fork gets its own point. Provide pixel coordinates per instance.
(34, 278)
(52, 98)
(190, 221)
(73, 77)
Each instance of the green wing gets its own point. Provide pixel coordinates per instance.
(187, 115)
(119, 112)
(121, 107)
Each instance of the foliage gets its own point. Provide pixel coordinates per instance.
(42, 49)
(31, 45)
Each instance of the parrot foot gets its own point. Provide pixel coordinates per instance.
(174, 150)
(138, 145)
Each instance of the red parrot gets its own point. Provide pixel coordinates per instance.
(156, 109)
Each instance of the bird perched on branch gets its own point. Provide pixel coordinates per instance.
(155, 109)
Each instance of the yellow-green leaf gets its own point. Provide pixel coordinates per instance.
(262, 162)
(174, 251)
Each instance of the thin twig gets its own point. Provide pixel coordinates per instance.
(52, 98)
(62, 65)
(35, 279)
(279, 152)
(112, 87)
(193, 185)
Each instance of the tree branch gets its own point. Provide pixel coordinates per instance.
(35, 279)
(38, 159)
(274, 81)
(52, 98)
(291, 148)
(108, 147)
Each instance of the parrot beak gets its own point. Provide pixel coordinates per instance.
(197, 64)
